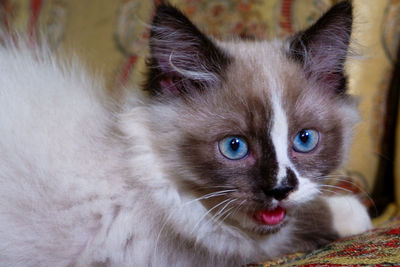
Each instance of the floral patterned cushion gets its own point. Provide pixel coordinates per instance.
(378, 247)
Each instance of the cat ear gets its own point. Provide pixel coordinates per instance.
(323, 48)
(182, 58)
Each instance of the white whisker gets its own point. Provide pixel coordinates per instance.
(336, 187)
(210, 195)
(207, 196)
(329, 191)
(208, 212)
(342, 178)
(221, 211)
(226, 214)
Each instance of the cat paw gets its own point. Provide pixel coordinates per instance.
(349, 216)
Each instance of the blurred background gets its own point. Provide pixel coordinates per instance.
(111, 39)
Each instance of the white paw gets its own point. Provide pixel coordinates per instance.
(349, 216)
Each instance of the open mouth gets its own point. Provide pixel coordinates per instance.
(270, 217)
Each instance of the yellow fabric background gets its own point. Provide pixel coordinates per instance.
(397, 164)
(365, 81)
(105, 33)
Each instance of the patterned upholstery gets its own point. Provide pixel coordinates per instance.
(379, 247)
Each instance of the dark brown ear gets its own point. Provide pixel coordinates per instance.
(323, 48)
(181, 58)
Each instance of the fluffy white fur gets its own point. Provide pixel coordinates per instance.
(349, 216)
(57, 156)
(82, 184)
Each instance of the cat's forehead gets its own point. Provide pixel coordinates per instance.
(263, 70)
(263, 52)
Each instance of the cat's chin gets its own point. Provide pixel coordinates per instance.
(265, 230)
(258, 228)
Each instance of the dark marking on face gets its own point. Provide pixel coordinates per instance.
(253, 175)
(282, 190)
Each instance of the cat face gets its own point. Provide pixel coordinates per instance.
(250, 127)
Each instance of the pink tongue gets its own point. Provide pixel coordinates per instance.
(270, 217)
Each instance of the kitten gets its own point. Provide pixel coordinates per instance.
(217, 165)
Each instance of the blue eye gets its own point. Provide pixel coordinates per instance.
(233, 147)
(305, 141)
